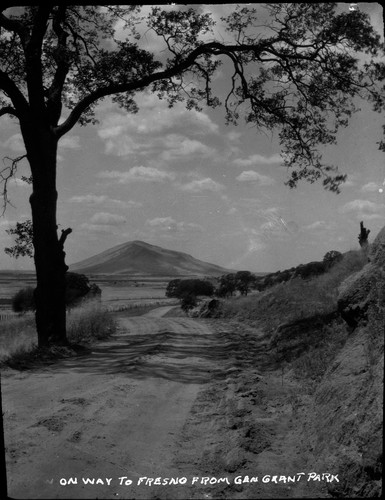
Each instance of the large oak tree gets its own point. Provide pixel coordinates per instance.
(298, 68)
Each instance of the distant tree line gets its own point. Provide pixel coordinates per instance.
(242, 282)
(302, 271)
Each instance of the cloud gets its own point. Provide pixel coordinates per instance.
(233, 135)
(362, 206)
(127, 133)
(97, 228)
(107, 219)
(364, 209)
(15, 143)
(177, 146)
(370, 187)
(252, 176)
(258, 160)
(169, 224)
(199, 185)
(88, 198)
(137, 174)
(319, 224)
(16, 181)
(102, 199)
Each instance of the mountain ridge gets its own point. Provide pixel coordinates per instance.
(141, 258)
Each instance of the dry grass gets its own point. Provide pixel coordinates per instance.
(18, 338)
(89, 322)
(313, 363)
(297, 298)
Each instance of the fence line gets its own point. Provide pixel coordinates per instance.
(4, 316)
(126, 307)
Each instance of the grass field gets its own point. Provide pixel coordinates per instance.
(117, 291)
(135, 296)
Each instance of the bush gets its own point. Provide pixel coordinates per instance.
(331, 258)
(78, 288)
(188, 301)
(172, 288)
(24, 300)
(180, 288)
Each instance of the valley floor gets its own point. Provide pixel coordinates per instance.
(190, 401)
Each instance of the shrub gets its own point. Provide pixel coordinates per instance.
(243, 280)
(78, 288)
(172, 288)
(227, 285)
(331, 258)
(188, 301)
(24, 300)
(179, 288)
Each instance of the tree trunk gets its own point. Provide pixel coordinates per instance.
(49, 255)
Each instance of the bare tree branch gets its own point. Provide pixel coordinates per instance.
(214, 48)
(6, 175)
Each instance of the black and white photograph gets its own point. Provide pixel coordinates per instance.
(192, 250)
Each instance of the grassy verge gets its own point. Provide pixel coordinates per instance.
(295, 299)
(18, 338)
(88, 323)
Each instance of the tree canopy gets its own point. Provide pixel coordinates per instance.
(297, 71)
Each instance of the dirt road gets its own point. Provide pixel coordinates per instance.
(167, 398)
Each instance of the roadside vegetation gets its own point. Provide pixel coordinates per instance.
(299, 315)
(85, 323)
(296, 298)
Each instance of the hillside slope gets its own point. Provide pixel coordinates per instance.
(140, 258)
(325, 340)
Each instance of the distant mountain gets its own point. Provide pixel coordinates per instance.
(140, 258)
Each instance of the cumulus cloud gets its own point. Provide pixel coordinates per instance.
(362, 206)
(102, 199)
(89, 198)
(177, 146)
(126, 133)
(140, 173)
(258, 160)
(370, 187)
(107, 219)
(199, 185)
(170, 224)
(252, 176)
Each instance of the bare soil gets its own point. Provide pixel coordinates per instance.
(166, 397)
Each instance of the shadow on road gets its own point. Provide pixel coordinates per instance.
(173, 356)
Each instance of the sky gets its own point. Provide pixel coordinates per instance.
(185, 181)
